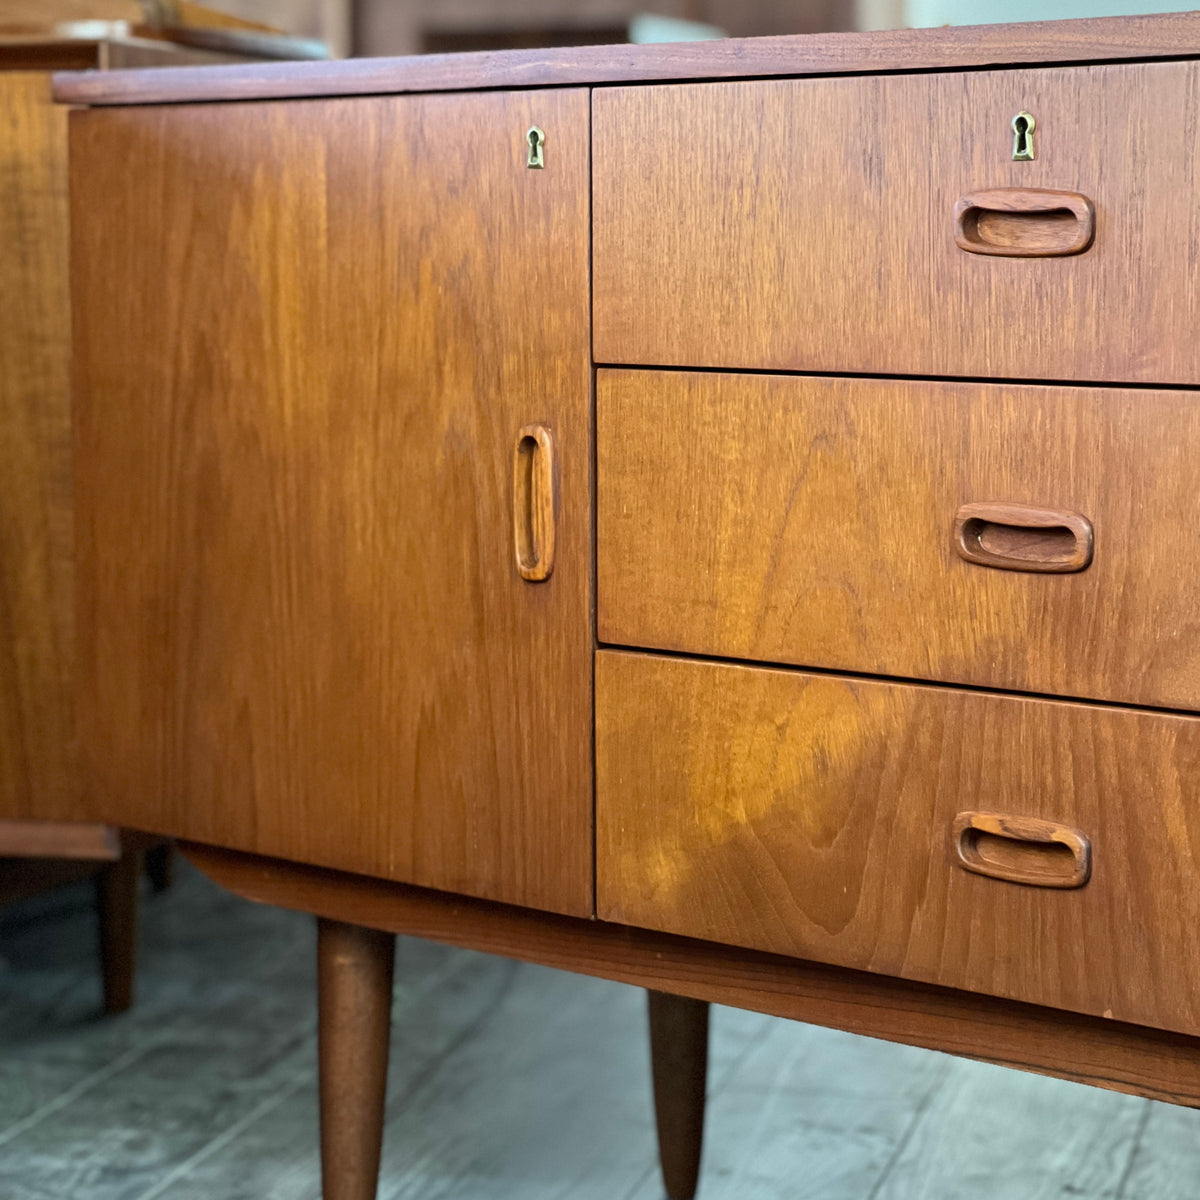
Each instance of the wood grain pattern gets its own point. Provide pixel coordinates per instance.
(38, 771)
(37, 774)
(812, 815)
(1171, 35)
(808, 225)
(1105, 1053)
(299, 378)
(810, 521)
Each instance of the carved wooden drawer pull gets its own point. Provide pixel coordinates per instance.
(535, 502)
(1021, 850)
(1022, 537)
(1024, 223)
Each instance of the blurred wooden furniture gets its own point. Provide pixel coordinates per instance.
(889, 652)
(107, 34)
(36, 856)
(432, 26)
(39, 776)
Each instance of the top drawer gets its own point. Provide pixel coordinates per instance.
(811, 224)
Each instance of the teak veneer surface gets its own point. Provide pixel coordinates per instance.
(1171, 35)
(812, 816)
(37, 773)
(1109, 1054)
(300, 376)
(811, 521)
(809, 225)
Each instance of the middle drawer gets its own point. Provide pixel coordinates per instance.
(926, 530)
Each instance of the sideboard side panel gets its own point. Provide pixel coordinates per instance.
(37, 774)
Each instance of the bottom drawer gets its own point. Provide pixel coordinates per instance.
(1033, 849)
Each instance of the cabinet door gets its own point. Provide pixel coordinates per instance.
(309, 335)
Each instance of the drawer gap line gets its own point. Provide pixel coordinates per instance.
(900, 680)
(1126, 385)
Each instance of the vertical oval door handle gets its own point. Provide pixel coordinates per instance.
(535, 502)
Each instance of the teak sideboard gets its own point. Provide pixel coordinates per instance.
(715, 517)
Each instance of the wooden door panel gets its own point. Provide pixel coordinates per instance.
(814, 815)
(809, 225)
(308, 335)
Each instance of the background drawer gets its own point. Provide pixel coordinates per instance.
(809, 224)
(812, 816)
(811, 521)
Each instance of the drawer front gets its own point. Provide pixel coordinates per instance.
(815, 816)
(813, 521)
(811, 224)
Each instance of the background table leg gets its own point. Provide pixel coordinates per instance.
(117, 906)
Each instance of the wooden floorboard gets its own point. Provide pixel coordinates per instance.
(1166, 1163)
(1004, 1134)
(508, 1082)
(274, 1157)
(772, 1134)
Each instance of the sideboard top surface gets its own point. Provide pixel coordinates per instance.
(1103, 39)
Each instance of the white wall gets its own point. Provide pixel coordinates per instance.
(988, 12)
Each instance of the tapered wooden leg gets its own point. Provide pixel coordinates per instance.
(679, 1063)
(354, 988)
(117, 905)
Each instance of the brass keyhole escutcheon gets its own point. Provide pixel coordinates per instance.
(1023, 125)
(537, 140)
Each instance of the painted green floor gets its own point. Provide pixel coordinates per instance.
(508, 1083)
